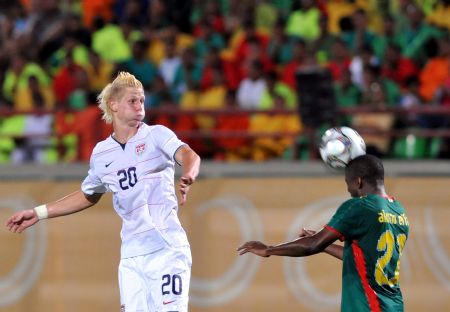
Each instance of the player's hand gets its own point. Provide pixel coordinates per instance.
(305, 232)
(21, 220)
(185, 183)
(254, 247)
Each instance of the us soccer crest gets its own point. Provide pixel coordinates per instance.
(140, 149)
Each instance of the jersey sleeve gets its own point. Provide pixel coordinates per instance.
(167, 141)
(348, 221)
(92, 183)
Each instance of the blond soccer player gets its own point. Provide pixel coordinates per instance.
(136, 163)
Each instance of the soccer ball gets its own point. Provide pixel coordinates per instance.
(340, 145)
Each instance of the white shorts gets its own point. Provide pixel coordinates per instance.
(157, 282)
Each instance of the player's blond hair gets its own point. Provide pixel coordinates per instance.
(114, 91)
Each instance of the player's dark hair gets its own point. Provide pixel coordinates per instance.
(367, 167)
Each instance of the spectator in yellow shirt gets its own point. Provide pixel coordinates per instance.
(99, 72)
(35, 95)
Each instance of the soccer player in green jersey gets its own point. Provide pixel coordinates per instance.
(374, 228)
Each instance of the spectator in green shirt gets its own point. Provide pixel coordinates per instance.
(112, 42)
(417, 34)
(347, 94)
(18, 74)
(304, 22)
(139, 65)
(379, 91)
(389, 36)
(324, 43)
(280, 45)
(277, 90)
(358, 35)
(208, 39)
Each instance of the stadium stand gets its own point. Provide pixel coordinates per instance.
(222, 74)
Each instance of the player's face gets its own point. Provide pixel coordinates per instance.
(130, 107)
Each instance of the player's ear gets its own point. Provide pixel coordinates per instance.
(113, 105)
(360, 182)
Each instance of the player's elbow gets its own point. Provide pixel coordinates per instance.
(196, 160)
(185, 156)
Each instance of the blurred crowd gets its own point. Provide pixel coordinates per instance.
(224, 55)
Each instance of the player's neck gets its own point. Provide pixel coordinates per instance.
(376, 190)
(379, 190)
(122, 133)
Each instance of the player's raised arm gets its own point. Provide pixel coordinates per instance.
(69, 204)
(190, 163)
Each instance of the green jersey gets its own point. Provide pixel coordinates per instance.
(375, 230)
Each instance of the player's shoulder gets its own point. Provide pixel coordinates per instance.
(351, 205)
(157, 128)
(104, 147)
(370, 203)
(352, 202)
(366, 201)
(145, 129)
(159, 131)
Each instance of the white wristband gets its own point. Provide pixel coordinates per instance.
(41, 212)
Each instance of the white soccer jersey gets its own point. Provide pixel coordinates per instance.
(140, 174)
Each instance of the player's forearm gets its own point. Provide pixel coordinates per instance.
(71, 203)
(335, 250)
(300, 247)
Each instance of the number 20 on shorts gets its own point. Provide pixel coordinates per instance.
(172, 284)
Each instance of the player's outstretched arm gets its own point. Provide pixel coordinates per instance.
(69, 204)
(300, 247)
(190, 163)
(334, 250)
